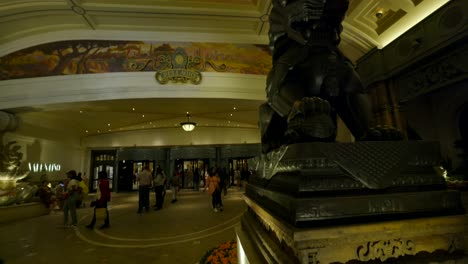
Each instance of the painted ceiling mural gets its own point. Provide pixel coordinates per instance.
(98, 56)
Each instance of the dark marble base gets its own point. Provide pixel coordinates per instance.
(345, 209)
(310, 184)
(266, 238)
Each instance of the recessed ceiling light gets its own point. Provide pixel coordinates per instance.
(81, 112)
(231, 114)
(86, 131)
(142, 115)
(108, 124)
(379, 14)
(99, 131)
(187, 113)
(133, 109)
(235, 108)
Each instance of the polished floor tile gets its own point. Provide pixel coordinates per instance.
(179, 233)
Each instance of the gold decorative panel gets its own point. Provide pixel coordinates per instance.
(416, 2)
(389, 18)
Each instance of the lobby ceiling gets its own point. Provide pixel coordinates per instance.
(100, 117)
(25, 23)
(369, 23)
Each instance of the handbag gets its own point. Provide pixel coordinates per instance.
(101, 213)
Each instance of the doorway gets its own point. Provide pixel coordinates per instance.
(238, 170)
(127, 177)
(191, 171)
(128, 170)
(102, 160)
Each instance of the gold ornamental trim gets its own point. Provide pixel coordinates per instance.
(178, 75)
(178, 67)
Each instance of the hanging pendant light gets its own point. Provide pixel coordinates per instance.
(188, 126)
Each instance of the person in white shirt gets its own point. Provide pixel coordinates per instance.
(144, 179)
(71, 196)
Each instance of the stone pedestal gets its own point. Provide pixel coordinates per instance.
(269, 239)
(352, 203)
(333, 183)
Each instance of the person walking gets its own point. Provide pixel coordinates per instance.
(196, 179)
(174, 183)
(84, 190)
(71, 196)
(214, 189)
(159, 180)
(144, 180)
(105, 197)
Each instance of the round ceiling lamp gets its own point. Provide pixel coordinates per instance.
(188, 126)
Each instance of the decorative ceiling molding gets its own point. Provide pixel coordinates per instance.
(81, 12)
(415, 15)
(445, 29)
(388, 19)
(31, 22)
(383, 21)
(353, 4)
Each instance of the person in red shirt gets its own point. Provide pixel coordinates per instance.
(105, 197)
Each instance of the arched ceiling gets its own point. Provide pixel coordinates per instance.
(113, 116)
(25, 23)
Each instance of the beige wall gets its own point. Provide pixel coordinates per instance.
(125, 85)
(40, 145)
(174, 137)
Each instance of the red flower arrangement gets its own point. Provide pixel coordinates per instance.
(225, 253)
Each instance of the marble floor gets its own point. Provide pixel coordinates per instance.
(179, 233)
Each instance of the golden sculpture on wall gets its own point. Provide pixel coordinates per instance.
(178, 67)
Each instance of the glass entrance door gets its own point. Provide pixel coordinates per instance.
(191, 172)
(102, 160)
(239, 171)
(127, 177)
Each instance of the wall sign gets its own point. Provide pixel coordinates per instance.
(182, 70)
(39, 167)
(178, 67)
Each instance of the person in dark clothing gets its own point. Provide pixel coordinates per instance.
(158, 183)
(45, 194)
(104, 188)
(222, 185)
(212, 183)
(196, 179)
(224, 180)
